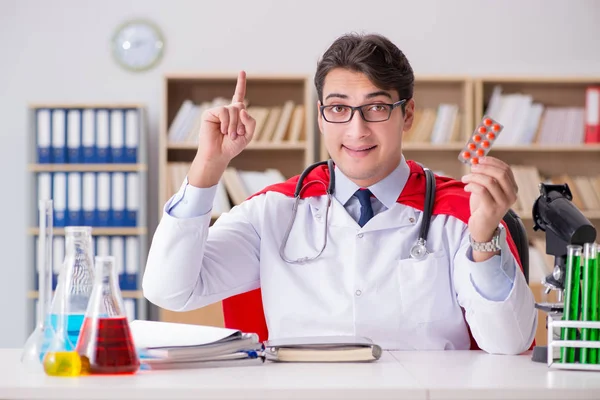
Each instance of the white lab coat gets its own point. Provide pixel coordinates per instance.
(363, 284)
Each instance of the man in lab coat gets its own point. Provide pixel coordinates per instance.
(468, 292)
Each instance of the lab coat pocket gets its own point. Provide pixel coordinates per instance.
(426, 288)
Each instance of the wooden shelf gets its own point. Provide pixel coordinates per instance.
(128, 294)
(588, 148)
(589, 214)
(99, 231)
(433, 147)
(251, 146)
(86, 105)
(87, 167)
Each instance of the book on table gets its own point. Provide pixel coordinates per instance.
(167, 345)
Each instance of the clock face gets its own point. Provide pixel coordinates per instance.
(137, 45)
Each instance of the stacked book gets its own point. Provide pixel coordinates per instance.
(166, 345)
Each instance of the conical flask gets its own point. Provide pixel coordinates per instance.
(75, 281)
(37, 343)
(105, 344)
(61, 359)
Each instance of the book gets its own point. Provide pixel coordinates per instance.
(167, 345)
(322, 349)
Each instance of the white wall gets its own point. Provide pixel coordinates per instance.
(59, 51)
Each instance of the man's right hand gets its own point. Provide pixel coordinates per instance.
(224, 132)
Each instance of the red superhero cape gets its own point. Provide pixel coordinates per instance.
(245, 311)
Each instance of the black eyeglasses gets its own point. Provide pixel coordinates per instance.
(376, 112)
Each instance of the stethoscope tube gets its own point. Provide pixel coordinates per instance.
(417, 251)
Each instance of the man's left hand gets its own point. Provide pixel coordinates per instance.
(493, 191)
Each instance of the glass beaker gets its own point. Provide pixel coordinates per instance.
(75, 281)
(105, 344)
(37, 343)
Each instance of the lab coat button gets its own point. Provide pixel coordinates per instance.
(412, 220)
(360, 235)
(358, 292)
(318, 216)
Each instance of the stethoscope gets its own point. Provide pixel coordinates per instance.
(417, 251)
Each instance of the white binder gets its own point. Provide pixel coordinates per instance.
(103, 246)
(117, 136)
(132, 263)
(89, 199)
(102, 137)
(74, 148)
(118, 199)
(74, 214)
(44, 136)
(88, 136)
(132, 134)
(59, 186)
(59, 137)
(117, 250)
(133, 199)
(58, 253)
(103, 198)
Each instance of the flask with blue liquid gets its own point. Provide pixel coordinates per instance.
(75, 284)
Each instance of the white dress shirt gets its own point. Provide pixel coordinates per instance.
(364, 283)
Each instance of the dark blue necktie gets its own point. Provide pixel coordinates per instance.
(366, 211)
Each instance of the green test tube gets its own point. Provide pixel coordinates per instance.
(571, 301)
(597, 298)
(589, 306)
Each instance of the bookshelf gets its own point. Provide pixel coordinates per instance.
(463, 99)
(560, 153)
(554, 150)
(283, 106)
(91, 159)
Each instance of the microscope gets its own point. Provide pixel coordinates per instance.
(563, 224)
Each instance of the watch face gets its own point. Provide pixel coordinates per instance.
(138, 45)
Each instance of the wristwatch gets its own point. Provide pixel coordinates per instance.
(491, 246)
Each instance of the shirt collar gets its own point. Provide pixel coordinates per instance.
(386, 190)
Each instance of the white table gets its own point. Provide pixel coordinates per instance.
(398, 375)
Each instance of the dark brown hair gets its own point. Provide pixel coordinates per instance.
(373, 55)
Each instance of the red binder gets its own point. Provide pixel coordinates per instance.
(592, 114)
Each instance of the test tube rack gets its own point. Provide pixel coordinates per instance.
(557, 343)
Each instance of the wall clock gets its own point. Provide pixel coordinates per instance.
(138, 45)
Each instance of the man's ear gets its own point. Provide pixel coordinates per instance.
(409, 114)
(319, 116)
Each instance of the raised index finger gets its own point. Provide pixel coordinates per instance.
(240, 88)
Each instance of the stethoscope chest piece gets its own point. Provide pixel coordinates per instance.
(418, 251)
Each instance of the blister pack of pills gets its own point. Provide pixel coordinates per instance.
(481, 141)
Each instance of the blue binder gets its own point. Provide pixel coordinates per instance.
(88, 136)
(103, 199)
(102, 136)
(59, 136)
(74, 130)
(117, 199)
(88, 198)
(43, 135)
(59, 194)
(133, 199)
(132, 136)
(117, 136)
(74, 199)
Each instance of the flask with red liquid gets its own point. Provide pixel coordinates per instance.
(105, 343)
